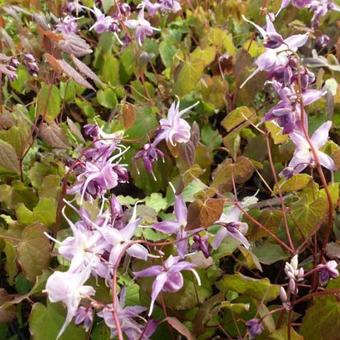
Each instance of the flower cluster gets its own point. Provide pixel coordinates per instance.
(292, 82)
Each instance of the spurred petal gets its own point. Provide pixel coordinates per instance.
(326, 161)
(296, 41)
(237, 235)
(157, 287)
(138, 251)
(169, 227)
(310, 96)
(320, 136)
(151, 271)
(220, 236)
(299, 140)
(181, 210)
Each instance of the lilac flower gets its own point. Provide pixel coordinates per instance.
(84, 250)
(287, 112)
(168, 276)
(284, 299)
(141, 26)
(68, 288)
(8, 66)
(67, 25)
(174, 129)
(275, 57)
(119, 239)
(103, 23)
(31, 64)
(151, 7)
(322, 41)
(303, 155)
(254, 327)
(232, 227)
(149, 154)
(201, 244)
(327, 271)
(126, 315)
(294, 274)
(84, 315)
(177, 227)
(170, 6)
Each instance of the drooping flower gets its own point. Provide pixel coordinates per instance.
(149, 154)
(8, 66)
(31, 64)
(174, 129)
(177, 227)
(104, 23)
(201, 244)
(141, 26)
(277, 57)
(254, 327)
(168, 276)
(231, 225)
(119, 239)
(69, 288)
(303, 155)
(327, 271)
(151, 7)
(84, 316)
(170, 6)
(126, 316)
(67, 25)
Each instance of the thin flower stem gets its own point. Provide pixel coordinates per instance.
(318, 167)
(283, 207)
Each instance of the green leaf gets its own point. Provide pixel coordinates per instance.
(192, 70)
(20, 84)
(322, 320)
(269, 253)
(18, 136)
(46, 321)
(156, 201)
(127, 64)
(237, 117)
(49, 102)
(167, 50)
(8, 158)
(259, 289)
(220, 39)
(107, 98)
(295, 183)
(33, 251)
(110, 70)
(45, 211)
(11, 258)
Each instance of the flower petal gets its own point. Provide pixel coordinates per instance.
(169, 227)
(320, 136)
(326, 161)
(138, 251)
(151, 271)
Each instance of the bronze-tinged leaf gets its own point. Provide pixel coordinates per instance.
(53, 135)
(33, 251)
(193, 220)
(8, 158)
(336, 157)
(7, 314)
(129, 115)
(74, 74)
(241, 171)
(49, 34)
(85, 70)
(180, 328)
(211, 211)
(53, 62)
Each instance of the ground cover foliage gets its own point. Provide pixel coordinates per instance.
(169, 169)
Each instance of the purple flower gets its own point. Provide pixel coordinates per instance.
(103, 23)
(141, 26)
(151, 7)
(201, 244)
(254, 327)
(67, 25)
(174, 129)
(84, 315)
(126, 315)
(278, 57)
(327, 271)
(177, 227)
(231, 225)
(168, 276)
(73, 44)
(149, 154)
(68, 287)
(303, 155)
(170, 6)
(8, 66)
(322, 41)
(31, 64)
(119, 240)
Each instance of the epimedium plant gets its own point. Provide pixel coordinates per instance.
(169, 169)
